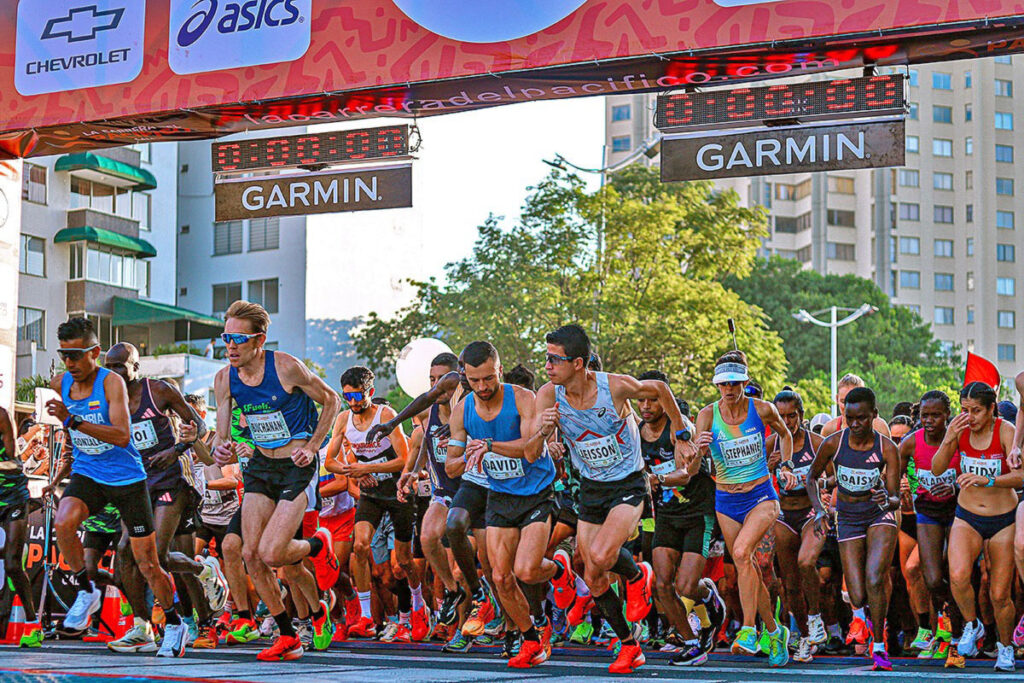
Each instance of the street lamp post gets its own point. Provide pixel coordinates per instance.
(834, 324)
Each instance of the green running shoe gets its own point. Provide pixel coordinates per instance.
(923, 639)
(778, 653)
(746, 641)
(458, 643)
(582, 634)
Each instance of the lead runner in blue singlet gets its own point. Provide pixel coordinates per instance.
(593, 413)
(277, 394)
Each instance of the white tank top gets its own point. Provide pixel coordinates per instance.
(366, 452)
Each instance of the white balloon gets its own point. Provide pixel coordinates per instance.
(413, 366)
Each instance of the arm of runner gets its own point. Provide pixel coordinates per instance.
(336, 447)
(543, 424)
(223, 449)
(221, 480)
(168, 397)
(455, 463)
(1015, 477)
(199, 446)
(943, 456)
(7, 434)
(422, 402)
(704, 436)
(293, 373)
(332, 487)
(411, 471)
(822, 458)
(625, 387)
(477, 449)
(889, 497)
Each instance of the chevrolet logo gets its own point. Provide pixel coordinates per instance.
(83, 23)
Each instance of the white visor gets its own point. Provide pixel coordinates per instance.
(730, 372)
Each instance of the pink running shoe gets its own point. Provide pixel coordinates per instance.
(880, 661)
(1018, 634)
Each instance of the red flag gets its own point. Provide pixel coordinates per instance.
(981, 370)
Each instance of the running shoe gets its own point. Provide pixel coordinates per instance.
(486, 640)
(929, 652)
(449, 612)
(944, 630)
(605, 636)
(86, 604)
(955, 660)
(746, 641)
(564, 588)
(269, 628)
(942, 651)
(402, 634)
(638, 594)
(139, 638)
(340, 633)
(207, 639)
(1004, 660)
(441, 633)
(353, 612)
(990, 646)
(693, 655)
(364, 628)
(582, 634)
(974, 633)
(923, 639)
(816, 631)
(33, 636)
(242, 631)
(531, 654)
(630, 658)
(323, 628)
(513, 642)
(325, 562)
(481, 614)
(495, 627)
(173, 644)
(715, 606)
(778, 647)
(304, 632)
(284, 648)
(545, 639)
(859, 633)
(805, 651)
(422, 625)
(763, 647)
(224, 622)
(215, 585)
(579, 610)
(706, 636)
(835, 645)
(645, 633)
(458, 643)
(880, 661)
(387, 635)
(192, 631)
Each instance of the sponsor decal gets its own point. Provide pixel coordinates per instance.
(487, 21)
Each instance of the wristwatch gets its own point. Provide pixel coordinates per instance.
(73, 421)
(490, 444)
(684, 434)
(661, 479)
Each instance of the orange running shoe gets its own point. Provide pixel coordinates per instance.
(638, 595)
(402, 635)
(207, 639)
(353, 611)
(580, 609)
(481, 615)
(859, 633)
(564, 589)
(545, 639)
(364, 628)
(630, 658)
(285, 648)
(420, 630)
(242, 631)
(531, 654)
(325, 562)
(340, 633)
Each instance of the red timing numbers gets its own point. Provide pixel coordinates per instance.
(309, 149)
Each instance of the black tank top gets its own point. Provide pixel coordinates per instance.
(858, 472)
(696, 498)
(151, 434)
(802, 460)
(442, 484)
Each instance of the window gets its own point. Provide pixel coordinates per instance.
(804, 255)
(942, 181)
(967, 79)
(102, 264)
(142, 277)
(1006, 220)
(264, 293)
(1004, 88)
(1006, 286)
(912, 114)
(837, 251)
(844, 219)
(941, 114)
(943, 214)
(942, 148)
(944, 248)
(941, 81)
(803, 222)
(1007, 352)
(803, 189)
(892, 248)
(968, 146)
(970, 315)
(970, 280)
(785, 224)
(1004, 153)
(1005, 252)
(1007, 319)
(840, 185)
(621, 112)
(969, 180)
(969, 213)
(912, 74)
(910, 177)
(142, 209)
(227, 238)
(910, 245)
(943, 315)
(970, 246)
(104, 330)
(943, 282)
(32, 258)
(913, 308)
(968, 112)
(910, 212)
(910, 279)
(621, 143)
(892, 283)
(33, 183)
(120, 201)
(1004, 120)
(1003, 59)
(225, 295)
(264, 233)
(913, 144)
(1004, 186)
(785, 192)
(32, 326)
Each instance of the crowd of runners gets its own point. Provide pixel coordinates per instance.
(593, 510)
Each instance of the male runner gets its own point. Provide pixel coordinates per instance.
(277, 394)
(14, 501)
(486, 429)
(375, 466)
(173, 498)
(593, 412)
(106, 469)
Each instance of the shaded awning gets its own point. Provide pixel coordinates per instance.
(108, 238)
(120, 173)
(144, 312)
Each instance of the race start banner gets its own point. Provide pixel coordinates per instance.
(80, 74)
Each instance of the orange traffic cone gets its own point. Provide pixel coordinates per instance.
(113, 623)
(15, 625)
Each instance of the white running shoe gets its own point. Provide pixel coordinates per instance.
(138, 639)
(215, 585)
(968, 644)
(816, 630)
(269, 629)
(388, 634)
(86, 604)
(805, 651)
(173, 645)
(1004, 661)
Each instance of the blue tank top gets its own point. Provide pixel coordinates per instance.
(275, 418)
(442, 484)
(102, 462)
(516, 476)
(738, 450)
(603, 446)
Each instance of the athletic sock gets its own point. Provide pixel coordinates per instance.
(582, 589)
(316, 544)
(417, 598)
(172, 617)
(858, 613)
(318, 614)
(245, 614)
(284, 622)
(924, 620)
(611, 610)
(83, 581)
(878, 647)
(626, 566)
(364, 604)
(403, 618)
(531, 634)
(403, 594)
(702, 613)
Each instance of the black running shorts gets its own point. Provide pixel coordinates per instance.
(131, 500)
(277, 478)
(597, 498)
(403, 515)
(508, 511)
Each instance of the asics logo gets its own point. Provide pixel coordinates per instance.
(237, 17)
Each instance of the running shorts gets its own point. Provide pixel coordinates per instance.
(796, 520)
(687, 535)
(507, 511)
(212, 532)
(278, 479)
(13, 512)
(131, 501)
(598, 498)
(987, 526)
(854, 519)
(341, 526)
(736, 506)
(473, 499)
(403, 515)
(100, 542)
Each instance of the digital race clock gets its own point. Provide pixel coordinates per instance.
(312, 149)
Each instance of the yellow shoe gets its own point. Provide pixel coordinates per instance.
(954, 660)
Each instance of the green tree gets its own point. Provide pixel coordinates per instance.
(894, 381)
(638, 263)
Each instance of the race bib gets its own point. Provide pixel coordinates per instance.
(801, 477)
(268, 428)
(665, 468)
(600, 452)
(212, 497)
(440, 452)
(742, 451)
(380, 476)
(986, 467)
(144, 435)
(929, 481)
(88, 444)
(500, 467)
(857, 480)
(423, 488)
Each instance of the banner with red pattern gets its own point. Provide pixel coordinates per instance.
(76, 74)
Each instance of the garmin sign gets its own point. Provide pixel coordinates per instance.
(782, 150)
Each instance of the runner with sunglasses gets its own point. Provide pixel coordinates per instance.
(593, 413)
(106, 468)
(277, 394)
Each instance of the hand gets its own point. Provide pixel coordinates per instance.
(966, 479)
(55, 408)
(379, 431)
(354, 470)
(303, 456)
(367, 481)
(556, 449)
(904, 486)
(943, 490)
(406, 483)
(243, 450)
(822, 523)
(1013, 458)
(49, 490)
(443, 432)
(549, 421)
(188, 432)
(163, 459)
(789, 480)
(653, 480)
(880, 496)
(475, 452)
(704, 439)
(958, 425)
(686, 449)
(774, 459)
(225, 454)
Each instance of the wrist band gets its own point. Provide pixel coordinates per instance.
(456, 443)
(67, 420)
(991, 482)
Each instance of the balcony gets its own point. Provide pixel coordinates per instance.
(95, 297)
(84, 218)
